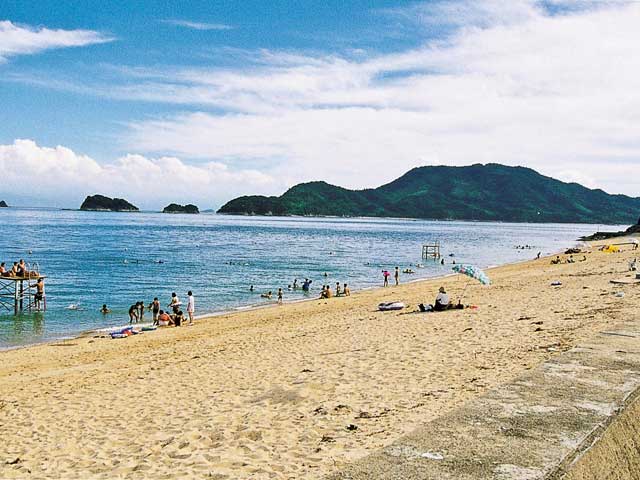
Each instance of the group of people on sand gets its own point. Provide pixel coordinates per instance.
(161, 317)
(343, 291)
(18, 270)
(570, 259)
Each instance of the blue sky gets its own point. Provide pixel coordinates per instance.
(221, 98)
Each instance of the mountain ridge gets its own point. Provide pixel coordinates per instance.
(490, 192)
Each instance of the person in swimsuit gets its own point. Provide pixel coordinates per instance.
(164, 319)
(155, 309)
(39, 297)
(104, 310)
(14, 270)
(3, 270)
(280, 296)
(396, 275)
(338, 291)
(133, 312)
(346, 290)
(140, 311)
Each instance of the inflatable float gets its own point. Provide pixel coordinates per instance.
(388, 306)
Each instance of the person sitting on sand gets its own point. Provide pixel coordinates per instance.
(328, 292)
(104, 310)
(570, 259)
(556, 260)
(266, 295)
(178, 318)
(164, 319)
(442, 300)
(338, 291)
(133, 312)
(346, 291)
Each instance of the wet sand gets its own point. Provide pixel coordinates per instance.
(293, 391)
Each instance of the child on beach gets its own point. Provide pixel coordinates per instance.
(385, 276)
(280, 296)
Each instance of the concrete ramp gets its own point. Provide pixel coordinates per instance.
(576, 417)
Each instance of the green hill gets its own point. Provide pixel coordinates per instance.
(476, 192)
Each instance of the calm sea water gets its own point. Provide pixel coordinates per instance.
(120, 258)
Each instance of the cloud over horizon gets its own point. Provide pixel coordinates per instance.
(25, 40)
(33, 173)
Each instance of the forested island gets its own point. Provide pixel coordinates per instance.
(489, 192)
(100, 203)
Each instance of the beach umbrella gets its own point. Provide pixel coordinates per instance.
(472, 272)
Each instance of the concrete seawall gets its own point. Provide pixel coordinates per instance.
(576, 417)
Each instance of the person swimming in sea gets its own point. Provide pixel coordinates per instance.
(104, 310)
(251, 288)
(266, 295)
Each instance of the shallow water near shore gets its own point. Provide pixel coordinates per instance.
(120, 258)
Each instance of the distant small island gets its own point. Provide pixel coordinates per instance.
(100, 203)
(3, 204)
(175, 208)
(489, 192)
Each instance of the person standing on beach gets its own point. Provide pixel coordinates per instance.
(191, 306)
(155, 310)
(396, 275)
(280, 296)
(385, 276)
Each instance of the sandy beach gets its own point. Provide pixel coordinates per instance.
(294, 391)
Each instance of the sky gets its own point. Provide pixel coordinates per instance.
(202, 101)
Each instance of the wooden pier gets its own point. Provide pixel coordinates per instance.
(431, 250)
(19, 293)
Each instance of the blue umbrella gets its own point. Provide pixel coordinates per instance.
(473, 272)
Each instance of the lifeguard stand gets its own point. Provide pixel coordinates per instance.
(431, 250)
(19, 293)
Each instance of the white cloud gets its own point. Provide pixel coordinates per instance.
(23, 39)
(555, 92)
(198, 25)
(62, 177)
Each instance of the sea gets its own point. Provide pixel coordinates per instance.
(117, 259)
